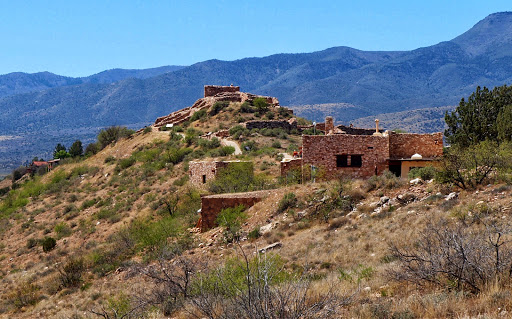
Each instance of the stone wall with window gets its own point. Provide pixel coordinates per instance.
(343, 154)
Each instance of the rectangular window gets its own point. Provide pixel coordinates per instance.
(341, 160)
(204, 179)
(356, 160)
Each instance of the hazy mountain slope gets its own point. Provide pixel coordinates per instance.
(19, 82)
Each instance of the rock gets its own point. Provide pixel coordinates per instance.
(271, 246)
(415, 181)
(451, 196)
(266, 228)
(301, 214)
(383, 200)
(367, 289)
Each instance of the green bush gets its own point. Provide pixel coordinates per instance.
(48, 244)
(425, 173)
(198, 115)
(289, 200)
(62, 230)
(125, 163)
(236, 177)
(217, 107)
(71, 273)
(232, 219)
(112, 134)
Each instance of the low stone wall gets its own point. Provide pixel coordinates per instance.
(213, 204)
(286, 166)
(357, 131)
(270, 124)
(211, 90)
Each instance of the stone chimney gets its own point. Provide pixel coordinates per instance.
(329, 125)
(377, 133)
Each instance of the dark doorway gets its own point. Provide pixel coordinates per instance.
(204, 179)
(395, 168)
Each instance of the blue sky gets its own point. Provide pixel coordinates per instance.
(79, 38)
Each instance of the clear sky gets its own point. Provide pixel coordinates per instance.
(78, 38)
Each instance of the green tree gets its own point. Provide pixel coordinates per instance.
(76, 149)
(58, 148)
(261, 104)
(475, 120)
(61, 154)
(504, 123)
(112, 134)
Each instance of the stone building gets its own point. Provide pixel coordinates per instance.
(361, 155)
(202, 172)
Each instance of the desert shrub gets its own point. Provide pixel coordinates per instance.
(455, 255)
(198, 115)
(249, 146)
(209, 144)
(62, 230)
(387, 181)
(217, 107)
(32, 242)
(238, 130)
(232, 219)
(338, 222)
(425, 173)
(89, 203)
(238, 177)
(125, 163)
(246, 107)
(475, 165)
(70, 274)
(255, 233)
(147, 130)
(112, 134)
(289, 200)
(24, 295)
(18, 173)
(276, 144)
(181, 181)
(48, 244)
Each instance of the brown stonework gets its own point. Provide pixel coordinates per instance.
(287, 125)
(200, 173)
(213, 204)
(405, 145)
(329, 125)
(287, 165)
(322, 152)
(211, 90)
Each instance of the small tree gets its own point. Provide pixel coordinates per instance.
(261, 105)
(76, 149)
(231, 219)
(59, 150)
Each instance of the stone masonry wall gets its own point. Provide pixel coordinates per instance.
(321, 152)
(208, 169)
(295, 163)
(357, 131)
(211, 90)
(212, 205)
(284, 124)
(406, 145)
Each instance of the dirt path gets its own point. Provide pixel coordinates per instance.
(227, 142)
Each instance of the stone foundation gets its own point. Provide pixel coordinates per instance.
(286, 125)
(213, 204)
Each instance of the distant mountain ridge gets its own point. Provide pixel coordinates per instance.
(361, 83)
(19, 82)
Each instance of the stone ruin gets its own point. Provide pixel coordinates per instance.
(212, 94)
(213, 204)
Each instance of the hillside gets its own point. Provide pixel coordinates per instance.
(372, 82)
(124, 222)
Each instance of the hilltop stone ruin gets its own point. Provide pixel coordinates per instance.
(212, 94)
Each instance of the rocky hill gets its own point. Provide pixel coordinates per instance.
(115, 235)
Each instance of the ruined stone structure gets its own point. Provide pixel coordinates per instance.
(364, 155)
(212, 94)
(290, 164)
(202, 172)
(212, 90)
(287, 125)
(213, 204)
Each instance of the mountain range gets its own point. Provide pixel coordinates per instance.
(42, 109)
